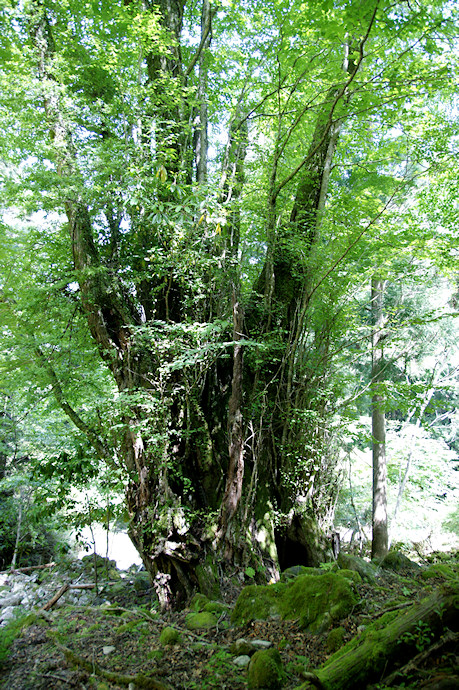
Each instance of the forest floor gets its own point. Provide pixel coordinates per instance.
(106, 644)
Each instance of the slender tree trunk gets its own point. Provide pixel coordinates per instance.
(379, 546)
(201, 133)
(18, 530)
(235, 474)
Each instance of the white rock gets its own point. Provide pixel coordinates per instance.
(7, 613)
(242, 661)
(261, 644)
(12, 600)
(108, 649)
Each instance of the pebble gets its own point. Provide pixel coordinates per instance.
(242, 661)
(261, 644)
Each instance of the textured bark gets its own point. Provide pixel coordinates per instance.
(235, 474)
(380, 540)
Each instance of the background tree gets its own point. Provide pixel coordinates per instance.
(380, 532)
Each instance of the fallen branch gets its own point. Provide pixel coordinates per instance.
(65, 588)
(404, 605)
(91, 585)
(11, 571)
(447, 639)
(56, 597)
(139, 680)
(365, 658)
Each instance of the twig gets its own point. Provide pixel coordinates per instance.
(92, 585)
(50, 675)
(404, 605)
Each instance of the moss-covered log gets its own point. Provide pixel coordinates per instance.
(389, 641)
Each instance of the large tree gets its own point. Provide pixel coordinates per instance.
(212, 287)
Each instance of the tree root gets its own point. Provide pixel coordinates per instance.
(139, 680)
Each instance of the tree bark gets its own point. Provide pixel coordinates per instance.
(380, 535)
(201, 131)
(235, 474)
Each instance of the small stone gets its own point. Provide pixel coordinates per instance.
(261, 644)
(241, 647)
(108, 649)
(7, 613)
(242, 661)
(12, 600)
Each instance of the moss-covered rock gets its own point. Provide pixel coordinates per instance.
(335, 639)
(258, 602)
(295, 570)
(315, 600)
(142, 582)
(169, 635)
(318, 600)
(265, 670)
(198, 602)
(397, 561)
(446, 572)
(367, 571)
(241, 647)
(216, 607)
(351, 575)
(201, 621)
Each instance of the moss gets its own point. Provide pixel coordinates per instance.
(318, 600)
(216, 607)
(201, 621)
(198, 602)
(95, 626)
(126, 627)
(12, 630)
(207, 577)
(257, 602)
(335, 639)
(265, 670)
(351, 575)
(169, 635)
(442, 570)
(156, 654)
